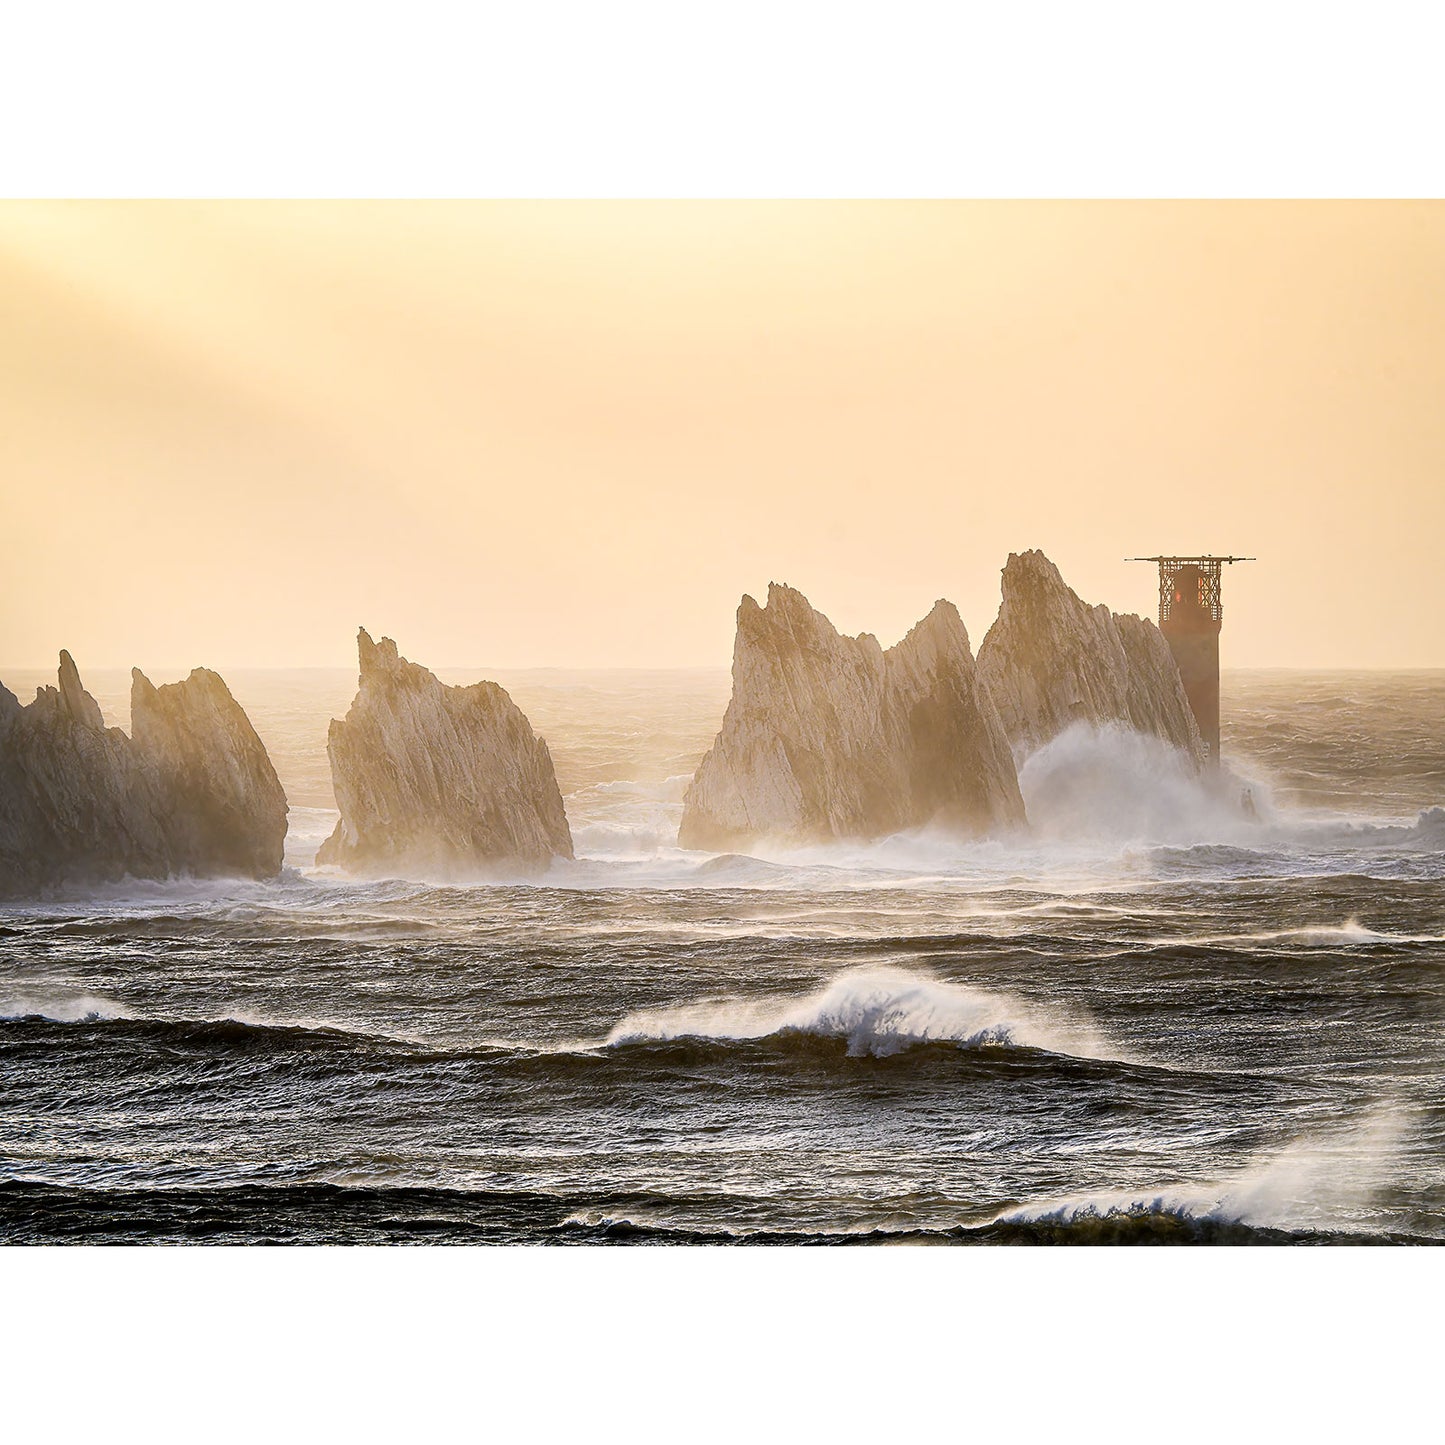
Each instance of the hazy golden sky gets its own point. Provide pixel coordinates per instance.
(573, 433)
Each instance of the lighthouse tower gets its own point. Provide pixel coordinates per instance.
(1191, 614)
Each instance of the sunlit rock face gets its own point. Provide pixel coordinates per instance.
(1050, 660)
(228, 809)
(832, 737)
(437, 780)
(190, 792)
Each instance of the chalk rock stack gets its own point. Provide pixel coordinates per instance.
(228, 813)
(832, 737)
(439, 780)
(191, 791)
(1050, 661)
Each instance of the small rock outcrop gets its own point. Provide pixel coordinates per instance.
(832, 737)
(437, 779)
(1050, 660)
(190, 791)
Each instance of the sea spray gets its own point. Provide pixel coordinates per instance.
(510, 1114)
(1111, 783)
(878, 1011)
(59, 1006)
(1324, 1181)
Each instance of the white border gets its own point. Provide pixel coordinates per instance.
(653, 97)
(721, 1345)
(744, 99)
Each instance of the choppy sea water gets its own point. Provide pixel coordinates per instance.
(1161, 1018)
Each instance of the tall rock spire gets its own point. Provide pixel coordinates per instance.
(192, 791)
(832, 737)
(438, 780)
(1050, 660)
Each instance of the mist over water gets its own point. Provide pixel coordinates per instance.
(1163, 1014)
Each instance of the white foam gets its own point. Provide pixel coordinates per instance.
(878, 1011)
(1347, 934)
(1113, 783)
(1102, 803)
(1322, 1181)
(306, 830)
(60, 1007)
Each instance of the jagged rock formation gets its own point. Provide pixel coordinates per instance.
(191, 791)
(228, 808)
(1050, 660)
(833, 737)
(438, 779)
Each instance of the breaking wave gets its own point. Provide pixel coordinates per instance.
(1110, 782)
(1324, 1182)
(877, 1011)
(235, 1026)
(61, 1008)
(1428, 828)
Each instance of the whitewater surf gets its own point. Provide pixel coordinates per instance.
(1154, 1017)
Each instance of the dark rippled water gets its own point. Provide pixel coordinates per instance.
(1157, 1020)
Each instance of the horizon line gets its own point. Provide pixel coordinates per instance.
(222, 667)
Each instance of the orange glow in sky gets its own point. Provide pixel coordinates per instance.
(573, 433)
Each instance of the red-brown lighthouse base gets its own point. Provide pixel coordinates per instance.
(1197, 653)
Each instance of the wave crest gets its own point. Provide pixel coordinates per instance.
(1113, 783)
(878, 1011)
(61, 1008)
(1323, 1182)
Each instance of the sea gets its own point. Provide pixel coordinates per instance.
(1176, 1011)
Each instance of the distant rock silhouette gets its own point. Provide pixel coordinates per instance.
(832, 737)
(190, 791)
(437, 779)
(1050, 660)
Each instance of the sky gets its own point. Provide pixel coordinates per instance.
(573, 434)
